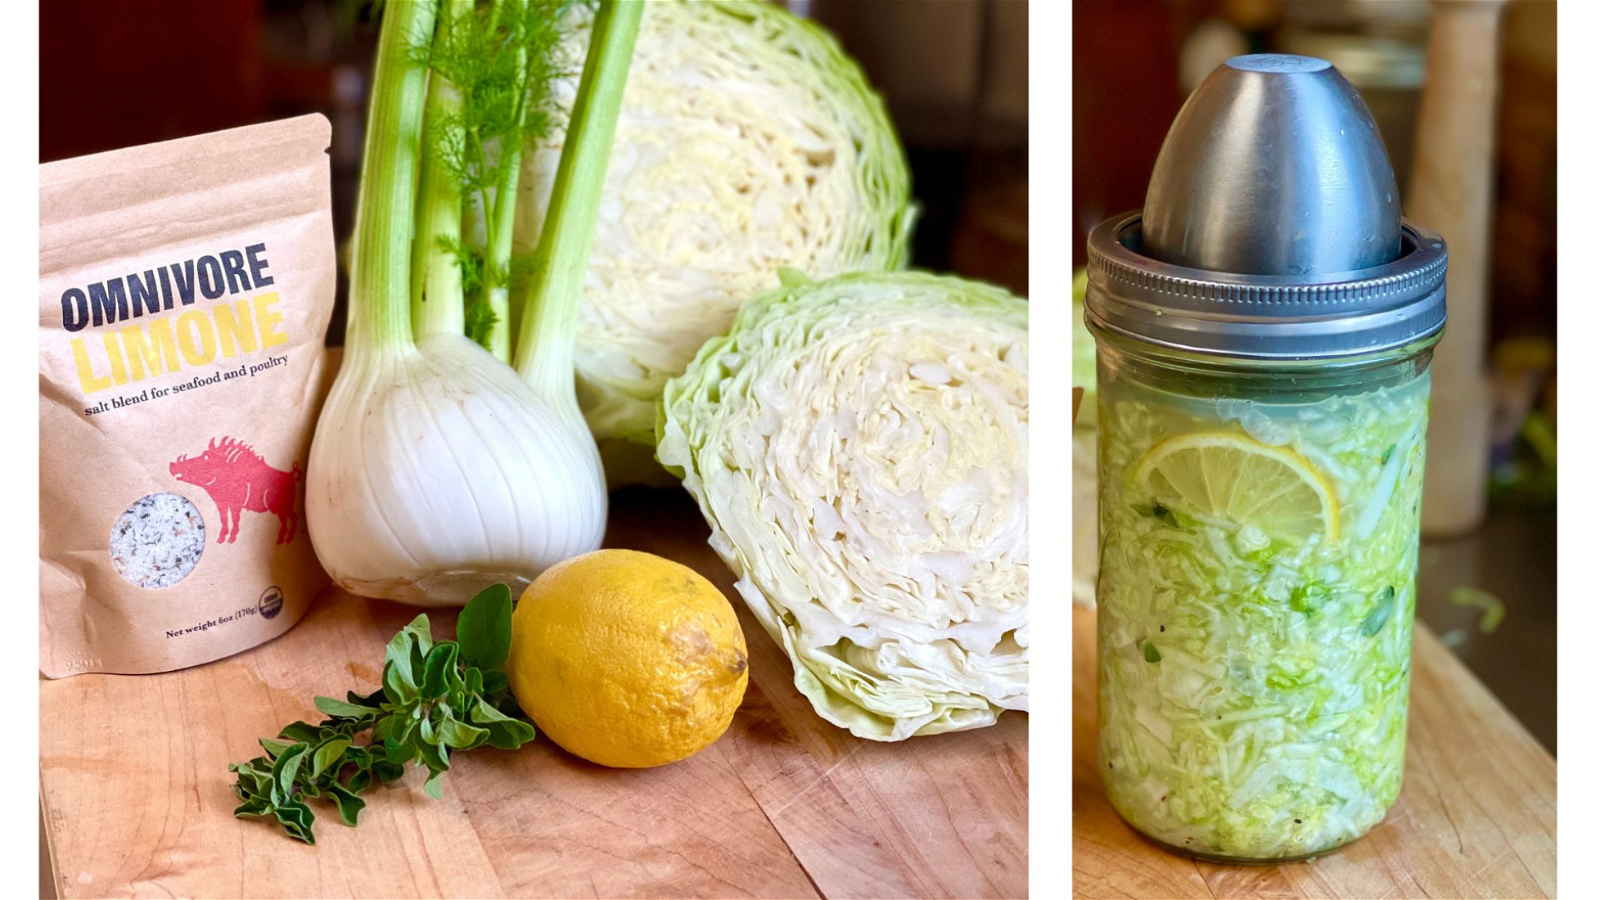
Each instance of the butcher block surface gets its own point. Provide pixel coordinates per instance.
(1476, 815)
(137, 800)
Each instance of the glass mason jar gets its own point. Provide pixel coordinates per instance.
(1259, 532)
(1264, 326)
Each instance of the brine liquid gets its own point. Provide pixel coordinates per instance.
(1252, 688)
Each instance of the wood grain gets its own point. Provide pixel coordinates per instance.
(137, 802)
(1476, 816)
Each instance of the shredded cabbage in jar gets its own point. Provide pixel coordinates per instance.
(1256, 591)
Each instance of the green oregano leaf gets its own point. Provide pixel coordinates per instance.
(495, 687)
(397, 751)
(484, 629)
(397, 682)
(252, 780)
(340, 709)
(383, 729)
(387, 772)
(405, 652)
(360, 781)
(296, 819)
(276, 749)
(440, 659)
(420, 629)
(349, 801)
(460, 735)
(505, 732)
(434, 756)
(374, 700)
(327, 755)
(287, 766)
(255, 806)
(301, 732)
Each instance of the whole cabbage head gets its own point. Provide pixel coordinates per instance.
(859, 447)
(748, 142)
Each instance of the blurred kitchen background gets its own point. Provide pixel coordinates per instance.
(1470, 124)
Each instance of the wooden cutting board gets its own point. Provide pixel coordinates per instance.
(136, 796)
(1476, 815)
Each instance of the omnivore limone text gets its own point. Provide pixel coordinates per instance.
(167, 343)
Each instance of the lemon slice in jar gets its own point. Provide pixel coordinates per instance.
(1218, 475)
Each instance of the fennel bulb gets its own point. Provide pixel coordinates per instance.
(437, 469)
(859, 447)
(748, 142)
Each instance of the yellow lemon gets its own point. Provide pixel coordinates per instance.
(627, 659)
(1229, 476)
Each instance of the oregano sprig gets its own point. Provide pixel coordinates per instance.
(436, 699)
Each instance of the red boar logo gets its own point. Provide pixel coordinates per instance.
(238, 478)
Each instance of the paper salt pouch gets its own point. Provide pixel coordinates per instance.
(184, 291)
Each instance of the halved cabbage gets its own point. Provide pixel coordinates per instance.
(748, 142)
(860, 449)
